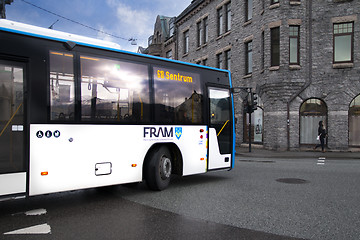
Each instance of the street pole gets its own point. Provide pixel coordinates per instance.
(249, 110)
(250, 131)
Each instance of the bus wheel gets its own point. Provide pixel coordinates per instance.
(157, 168)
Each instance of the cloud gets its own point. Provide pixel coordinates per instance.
(132, 22)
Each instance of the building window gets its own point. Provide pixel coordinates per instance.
(275, 46)
(248, 10)
(200, 34)
(204, 62)
(354, 122)
(343, 42)
(169, 54)
(219, 59)
(228, 60)
(206, 33)
(262, 50)
(312, 111)
(294, 45)
(248, 57)
(228, 17)
(172, 27)
(220, 21)
(274, 1)
(186, 42)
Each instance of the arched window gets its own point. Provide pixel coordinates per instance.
(312, 111)
(354, 122)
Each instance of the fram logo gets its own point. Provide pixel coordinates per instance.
(156, 133)
(178, 132)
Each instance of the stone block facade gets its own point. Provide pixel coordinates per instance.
(293, 97)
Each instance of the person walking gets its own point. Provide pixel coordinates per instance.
(321, 135)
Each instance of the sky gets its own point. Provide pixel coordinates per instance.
(124, 19)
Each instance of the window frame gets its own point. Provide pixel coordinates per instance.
(220, 21)
(206, 29)
(351, 34)
(297, 37)
(248, 59)
(200, 34)
(274, 44)
(228, 17)
(186, 42)
(228, 59)
(219, 60)
(248, 10)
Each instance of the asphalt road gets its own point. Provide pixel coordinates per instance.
(259, 199)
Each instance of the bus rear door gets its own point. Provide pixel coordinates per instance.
(220, 141)
(12, 164)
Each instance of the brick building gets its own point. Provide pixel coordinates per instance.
(162, 42)
(301, 57)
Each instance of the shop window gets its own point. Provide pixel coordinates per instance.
(311, 112)
(257, 124)
(354, 122)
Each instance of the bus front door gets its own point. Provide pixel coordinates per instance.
(12, 167)
(220, 129)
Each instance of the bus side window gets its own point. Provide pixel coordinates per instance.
(62, 90)
(114, 90)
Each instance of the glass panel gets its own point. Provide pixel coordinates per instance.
(343, 48)
(249, 10)
(62, 90)
(206, 34)
(11, 119)
(256, 126)
(309, 129)
(113, 90)
(311, 112)
(249, 58)
(228, 16)
(220, 22)
(220, 117)
(178, 96)
(293, 50)
(275, 46)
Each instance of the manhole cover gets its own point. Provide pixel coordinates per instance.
(292, 180)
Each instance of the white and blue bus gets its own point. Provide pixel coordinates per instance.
(77, 112)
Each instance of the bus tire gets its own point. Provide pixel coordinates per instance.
(157, 168)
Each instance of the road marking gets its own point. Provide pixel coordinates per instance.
(321, 161)
(37, 229)
(36, 212)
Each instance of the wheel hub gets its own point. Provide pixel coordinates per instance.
(165, 167)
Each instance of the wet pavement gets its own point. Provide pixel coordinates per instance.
(102, 214)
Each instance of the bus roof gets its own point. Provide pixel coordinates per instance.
(16, 27)
(40, 32)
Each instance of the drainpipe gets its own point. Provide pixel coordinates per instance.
(309, 80)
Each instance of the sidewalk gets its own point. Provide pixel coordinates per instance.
(260, 152)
